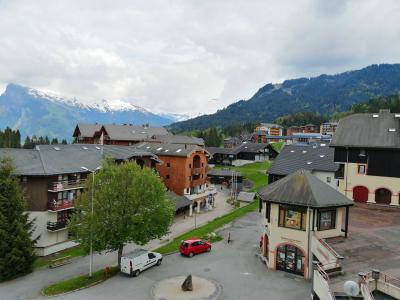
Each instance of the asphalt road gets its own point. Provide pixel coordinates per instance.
(234, 266)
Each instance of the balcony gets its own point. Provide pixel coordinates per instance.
(55, 206)
(59, 186)
(56, 226)
(197, 171)
(204, 194)
(199, 181)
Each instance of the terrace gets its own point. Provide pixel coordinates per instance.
(64, 185)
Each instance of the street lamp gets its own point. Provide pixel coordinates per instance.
(91, 246)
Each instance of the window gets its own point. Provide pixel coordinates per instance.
(168, 165)
(361, 169)
(151, 256)
(187, 191)
(190, 166)
(24, 179)
(292, 217)
(328, 179)
(362, 152)
(326, 219)
(202, 164)
(167, 176)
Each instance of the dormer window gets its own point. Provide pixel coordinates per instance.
(362, 152)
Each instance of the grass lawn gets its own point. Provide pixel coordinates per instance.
(47, 260)
(78, 282)
(255, 172)
(278, 146)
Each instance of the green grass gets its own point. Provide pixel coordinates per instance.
(255, 172)
(78, 282)
(47, 260)
(278, 146)
(207, 228)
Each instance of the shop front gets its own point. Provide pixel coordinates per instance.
(290, 258)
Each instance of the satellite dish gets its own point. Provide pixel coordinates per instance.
(351, 288)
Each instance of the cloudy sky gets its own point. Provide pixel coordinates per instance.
(188, 56)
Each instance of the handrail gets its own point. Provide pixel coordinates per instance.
(365, 291)
(330, 249)
(386, 277)
(63, 184)
(325, 276)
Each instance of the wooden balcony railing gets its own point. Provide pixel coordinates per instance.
(60, 205)
(197, 171)
(55, 226)
(58, 186)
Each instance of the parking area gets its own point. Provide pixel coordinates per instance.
(233, 265)
(373, 242)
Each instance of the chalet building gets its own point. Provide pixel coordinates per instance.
(244, 151)
(111, 134)
(54, 176)
(367, 149)
(264, 129)
(317, 158)
(300, 212)
(309, 128)
(183, 171)
(328, 128)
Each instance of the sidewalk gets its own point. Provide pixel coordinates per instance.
(29, 286)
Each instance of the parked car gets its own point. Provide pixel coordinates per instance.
(139, 260)
(194, 246)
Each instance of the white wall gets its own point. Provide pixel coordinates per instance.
(324, 176)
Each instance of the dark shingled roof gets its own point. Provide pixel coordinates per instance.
(88, 130)
(180, 201)
(177, 139)
(367, 131)
(244, 147)
(222, 173)
(309, 157)
(64, 159)
(169, 149)
(303, 189)
(133, 132)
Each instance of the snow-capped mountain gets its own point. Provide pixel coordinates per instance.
(42, 113)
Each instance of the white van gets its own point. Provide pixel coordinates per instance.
(139, 260)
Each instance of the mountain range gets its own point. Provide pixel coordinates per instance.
(324, 94)
(37, 113)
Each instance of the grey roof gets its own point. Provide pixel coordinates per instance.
(246, 196)
(169, 149)
(177, 139)
(180, 201)
(243, 147)
(64, 159)
(133, 132)
(314, 157)
(222, 173)
(88, 130)
(367, 131)
(303, 189)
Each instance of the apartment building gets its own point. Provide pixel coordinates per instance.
(53, 177)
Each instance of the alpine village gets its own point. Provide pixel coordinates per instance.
(291, 194)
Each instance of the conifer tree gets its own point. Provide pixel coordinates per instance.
(16, 246)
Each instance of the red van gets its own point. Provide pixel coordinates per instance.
(194, 246)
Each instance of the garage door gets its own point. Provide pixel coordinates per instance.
(383, 196)
(360, 194)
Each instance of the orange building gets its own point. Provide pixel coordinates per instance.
(183, 170)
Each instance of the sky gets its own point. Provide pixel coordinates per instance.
(188, 56)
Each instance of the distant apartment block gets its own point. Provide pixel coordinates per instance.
(328, 128)
(264, 129)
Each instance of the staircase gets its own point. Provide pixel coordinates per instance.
(329, 259)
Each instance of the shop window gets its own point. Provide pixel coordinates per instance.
(362, 169)
(292, 217)
(326, 219)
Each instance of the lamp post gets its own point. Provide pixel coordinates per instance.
(92, 210)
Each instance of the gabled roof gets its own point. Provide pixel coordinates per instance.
(176, 139)
(243, 147)
(380, 130)
(303, 189)
(65, 159)
(316, 157)
(134, 133)
(163, 149)
(86, 130)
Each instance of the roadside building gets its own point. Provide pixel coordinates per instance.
(111, 134)
(54, 176)
(183, 170)
(245, 151)
(300, 212)
(309, 128)
(317, 158)
(367, 149)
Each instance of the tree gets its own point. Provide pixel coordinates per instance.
(16, 246)
(54, 141)
(130, 205)
(64, 142)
